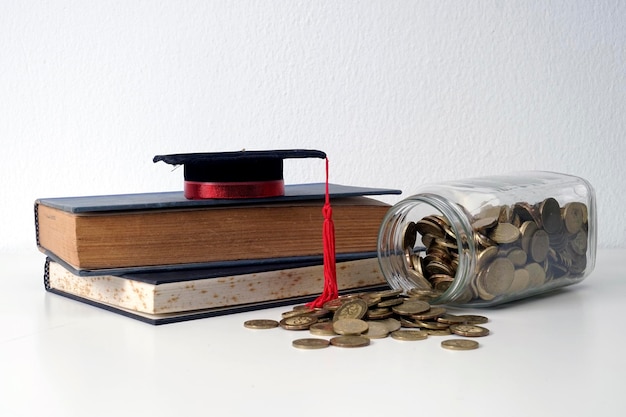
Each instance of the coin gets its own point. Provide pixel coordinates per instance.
(379, 313)
(349, 326)
(539, 246)
(536, 274)
(498, 276)
(426, 324)
(504, 233)
(469, 330)
(376, 330)
(410, 235)
(310, 343)
(391, 324)
(322, 329)
(353, 309)
(431, 314)
(579, 243)
(485, 223)
(451, 319)
(295, 312)
(297, 322)
(550, 215)
(409, 335)
(517, 256)
(333, 305)
(573, 216)
(474, 318)
(459, 344)
(438, 332)
(260, 324)
(527, 229)
(349, 341)
(428, 227)
(411, 307)
(389, 302)
(521, 280)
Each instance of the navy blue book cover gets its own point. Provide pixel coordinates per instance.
(176, 199)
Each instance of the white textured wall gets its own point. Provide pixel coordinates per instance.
(398, 93)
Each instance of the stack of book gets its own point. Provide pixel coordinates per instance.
(162, 257)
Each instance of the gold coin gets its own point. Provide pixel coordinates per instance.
(521, 280)
(485, 223)
(379, 313)
(536, 275)
(322, 329)
(333, 305)
(349, 327)
(579, 243)
(260, 324)
(469, 330)
(376, 330)
(353, 309)
(310, 343)
(390, 302)
(297, 322)
(459, 344)
(539, 246)
(550, 212)
(498, 276)
(573, 216)
(371, 299)
(504, 233)
(295, 312)
(527, 229)
(409, 335)
(411, 307)
(431, 314)
(486, 255)
(451, 319)
(349, 341)
(474, 318)
(410, 235)
(524, 211)
(429, 227)
(405, 322)
(438, 332)
(517, 256)
(391, 324)
(435, 325)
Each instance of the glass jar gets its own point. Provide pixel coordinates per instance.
(486, 241)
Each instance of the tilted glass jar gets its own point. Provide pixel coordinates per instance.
(487, 241)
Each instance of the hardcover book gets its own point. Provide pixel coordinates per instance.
(160, 297)
(149, 231)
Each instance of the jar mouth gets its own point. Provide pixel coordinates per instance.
(436, 241)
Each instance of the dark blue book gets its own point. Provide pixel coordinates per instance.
(169, 296)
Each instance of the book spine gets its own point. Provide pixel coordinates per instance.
(37, 224)
(46, 274)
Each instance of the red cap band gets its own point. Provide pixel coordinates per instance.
(232, 190)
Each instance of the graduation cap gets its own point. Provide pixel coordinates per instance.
(233, 175)
(255, 174)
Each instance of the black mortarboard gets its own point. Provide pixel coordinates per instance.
(239, 174)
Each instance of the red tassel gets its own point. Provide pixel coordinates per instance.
(331, 289)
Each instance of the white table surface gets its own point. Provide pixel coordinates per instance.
(559, 355)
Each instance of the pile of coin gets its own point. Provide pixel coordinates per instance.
(519, 248)
(354, 320)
